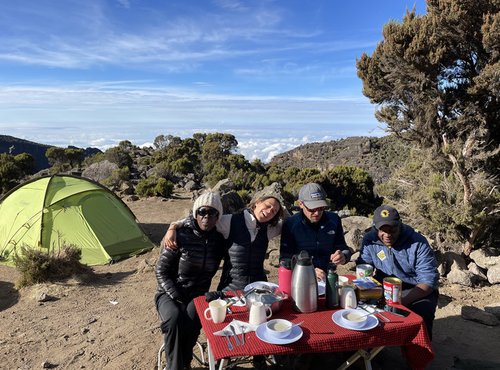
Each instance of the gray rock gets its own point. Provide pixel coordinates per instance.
(442, 269)
(462, 277)
(232, 202)
(493, 274)
(494, 309)
(356, 227)
(191, 185)
(43, 297)
(478, 272)
(484, 258)
(223, 186)
(480, 316)
(452, 260)
(100, 170)
(127, 188)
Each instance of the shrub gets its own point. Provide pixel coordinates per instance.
(36, 266)
(117, 176)
(154, 186)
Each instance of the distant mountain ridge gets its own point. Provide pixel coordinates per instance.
(378, 156)
(14, 146)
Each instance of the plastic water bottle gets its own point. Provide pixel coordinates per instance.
(332, 292)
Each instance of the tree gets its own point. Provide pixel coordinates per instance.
(436, 81)
(350, 187)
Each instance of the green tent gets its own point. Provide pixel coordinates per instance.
(48, 212)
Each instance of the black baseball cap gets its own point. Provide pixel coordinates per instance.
(386, 215)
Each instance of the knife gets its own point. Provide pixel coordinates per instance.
(235, 336)
(242, 328)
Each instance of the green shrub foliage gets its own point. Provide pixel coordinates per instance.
(350, 188)
(154, 186)
(36, 266)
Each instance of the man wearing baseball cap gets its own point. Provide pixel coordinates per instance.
(395, 249)
(315, 230)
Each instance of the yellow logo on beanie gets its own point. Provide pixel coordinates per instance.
(384, 213)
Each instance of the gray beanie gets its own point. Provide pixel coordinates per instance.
(209, 199)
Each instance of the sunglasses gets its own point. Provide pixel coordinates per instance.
(314, 210)
(207, 211)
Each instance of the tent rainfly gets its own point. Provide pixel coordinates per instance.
(49, 212)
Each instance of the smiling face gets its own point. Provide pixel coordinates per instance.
(389, 234)
(206, 217)
(266, 209)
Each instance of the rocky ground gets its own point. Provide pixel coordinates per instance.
(107, 320)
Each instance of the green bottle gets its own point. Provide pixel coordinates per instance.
(332, 292)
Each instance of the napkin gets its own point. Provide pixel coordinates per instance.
(238, 327)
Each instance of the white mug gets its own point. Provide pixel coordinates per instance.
(217, 310)
(258, 313)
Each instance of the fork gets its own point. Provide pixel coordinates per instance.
(227, 334)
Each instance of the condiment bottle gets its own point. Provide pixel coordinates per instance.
(332, 293)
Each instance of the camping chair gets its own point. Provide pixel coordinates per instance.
(198, 357)
(202, 346)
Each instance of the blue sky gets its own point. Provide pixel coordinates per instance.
(275, 73)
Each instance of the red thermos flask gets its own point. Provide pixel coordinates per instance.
(285, 276)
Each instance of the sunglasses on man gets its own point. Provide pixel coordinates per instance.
(207, 211)
(313, 210)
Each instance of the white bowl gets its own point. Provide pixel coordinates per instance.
(279, 328)
(354, 318)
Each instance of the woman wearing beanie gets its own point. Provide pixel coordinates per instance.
(186, 273)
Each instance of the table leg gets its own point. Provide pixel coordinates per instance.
(211, 359)
(367, 357)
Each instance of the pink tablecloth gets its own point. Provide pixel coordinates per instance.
(321, 334)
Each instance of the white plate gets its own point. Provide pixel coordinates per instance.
(371, 321)
(264, 335)
(321, 287)
(264, 284)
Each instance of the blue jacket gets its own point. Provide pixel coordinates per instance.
(319, 240)
(410, 259)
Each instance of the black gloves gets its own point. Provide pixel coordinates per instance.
(210, 296)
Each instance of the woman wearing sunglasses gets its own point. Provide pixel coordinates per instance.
(186, 273)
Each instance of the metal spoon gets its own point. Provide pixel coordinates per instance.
(297, 324)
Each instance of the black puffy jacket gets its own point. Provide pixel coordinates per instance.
(186, 273)
(244, 262)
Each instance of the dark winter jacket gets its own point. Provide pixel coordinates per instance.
(186, 273)
(244, 262)
(320, 240)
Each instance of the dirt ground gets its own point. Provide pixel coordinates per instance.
(107, 319)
